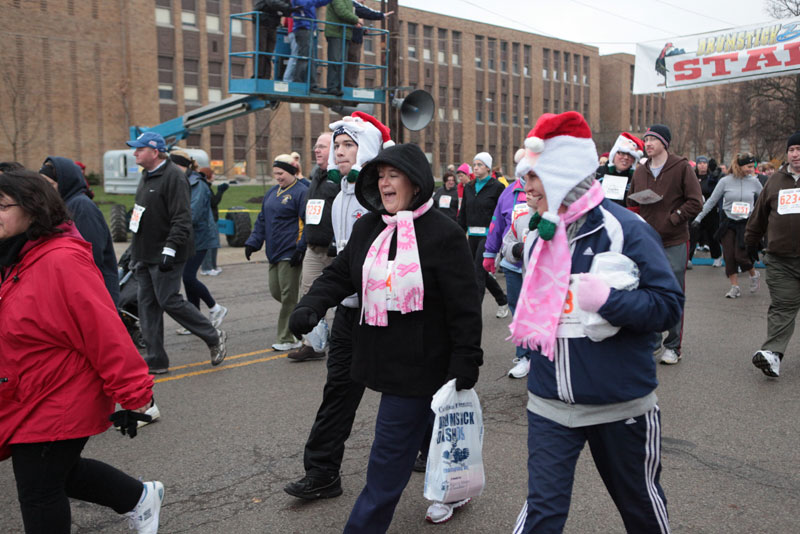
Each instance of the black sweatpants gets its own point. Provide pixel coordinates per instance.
(340, 399)
(485, 281)
(705, 234)
(49, 474)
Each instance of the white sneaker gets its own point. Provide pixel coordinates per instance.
(144, 518)
(689, 265)
(769, 362)
(217, 316)
(521, 368)
(153, 412)
(183, 332)
(755, 282)
(287, 346)
(205, 272)
(717, 262)
(502, 312)
(439, 512)
(215, 272)
(733, 293)
(670, 357)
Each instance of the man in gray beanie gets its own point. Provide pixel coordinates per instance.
(672, 178)
(776, 214)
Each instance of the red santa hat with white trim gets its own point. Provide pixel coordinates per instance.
(560, 150)
(370, 134)
(627, 144)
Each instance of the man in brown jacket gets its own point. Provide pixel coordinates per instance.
(777, 215)
(672, 179)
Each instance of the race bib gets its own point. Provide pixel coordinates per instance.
(314, 210)
(614, 186)
(740, 208)
(136, 218)
(444, 201)
(569, 324)
(519, 209)
(788, 201)
(477, 230)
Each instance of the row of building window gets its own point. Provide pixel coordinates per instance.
(427, 44)
(490, 60)
(188, 15)
(576, 74)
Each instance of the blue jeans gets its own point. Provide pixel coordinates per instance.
(513, 288)
(291, 65)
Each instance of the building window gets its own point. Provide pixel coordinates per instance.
(503, 56)
(479, 106)
(214, 81)
(556, 64)
(566, 67)
(442, 103)
(515, 110)
(217, 146)
(189, 18)
(412, 41)
(165, 78)
(212, 7)
(504, 108)
(515, 58)
(526, 68)
(456, 52)
(457, 152)
(586, 71)
(239, 148)
(429, 151)
(236, 24)
(191, 79)
(212, 23)
(478, 52)
(545, 105)
(442, 40)
(526, 110)
(586, 112)
(456, 106)
(545, 62)
(632, 70)
(491, 47)
(491, 101)
(427, 42)
(556, 105)
(164, 12)
(576, 68)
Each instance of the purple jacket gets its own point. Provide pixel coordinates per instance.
(501, 219)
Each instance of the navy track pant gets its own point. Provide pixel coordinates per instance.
(627, 455)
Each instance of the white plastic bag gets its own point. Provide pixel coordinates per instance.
(455, 460)
(318, 337)
(619, 272)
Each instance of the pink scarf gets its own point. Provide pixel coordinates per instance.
(405, 280)
(544, 289)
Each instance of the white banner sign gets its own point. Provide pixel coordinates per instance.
(734, 55)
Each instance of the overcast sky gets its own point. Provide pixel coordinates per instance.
(611, 26)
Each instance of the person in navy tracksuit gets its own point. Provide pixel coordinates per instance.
(602, 392)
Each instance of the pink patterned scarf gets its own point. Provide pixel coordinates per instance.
(544, 289)
(405, 280)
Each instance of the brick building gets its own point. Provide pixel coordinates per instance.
(116, 63)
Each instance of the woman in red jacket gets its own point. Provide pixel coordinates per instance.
(60, 379)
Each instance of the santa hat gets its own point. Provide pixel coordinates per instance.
(560, 150)
(370, 134)
(523, 164)
(627, 144)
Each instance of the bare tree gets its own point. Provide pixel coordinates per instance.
(781, 9)
(20, 123)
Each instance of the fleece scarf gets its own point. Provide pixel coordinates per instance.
(544, 289)
(405, 280)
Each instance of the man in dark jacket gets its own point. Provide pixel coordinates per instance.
(776, 215)
(675, 201)
(357, 42)
(318, 230)
(87, 217)
(161, 223)
(269, 19)
(338, 13)
(475, 216)
(302, 30)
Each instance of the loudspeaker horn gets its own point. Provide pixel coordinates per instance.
(416, 110)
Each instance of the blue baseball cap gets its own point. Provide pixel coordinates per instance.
(149, 140)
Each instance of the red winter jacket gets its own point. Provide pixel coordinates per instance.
(65, 356)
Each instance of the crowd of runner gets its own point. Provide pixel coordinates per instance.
(371, 236)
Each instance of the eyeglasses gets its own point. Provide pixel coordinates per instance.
(5, 207)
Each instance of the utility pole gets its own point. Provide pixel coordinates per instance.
(390, 114)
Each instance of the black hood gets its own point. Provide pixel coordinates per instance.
(69, 177)
(407, 158)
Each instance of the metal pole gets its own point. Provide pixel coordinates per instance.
(392, 119)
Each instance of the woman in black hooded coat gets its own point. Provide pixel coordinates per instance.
(413, 353)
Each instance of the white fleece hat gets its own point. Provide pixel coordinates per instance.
(485, 158)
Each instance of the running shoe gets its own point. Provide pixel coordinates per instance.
(219, 351)
(312, 488)
(144, 517)
(769, 362)
(217, 316)
(670, 357)
(281, 347)
(733, 293)
(717, 262)
(521, 368)
(689, 265)
(502, 312)
(183, 332)
(755, 282)
(440, 512)
(153, 412)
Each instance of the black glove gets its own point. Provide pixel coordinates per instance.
(695, 224)
(167, 263)
(302, 321)
(463, 382)
(297, 258)
(752, 252)
(127, 421)
(221, 188)
(517, 250)
(332, 251)
(247, 251)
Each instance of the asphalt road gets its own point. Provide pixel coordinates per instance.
(230, 437)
